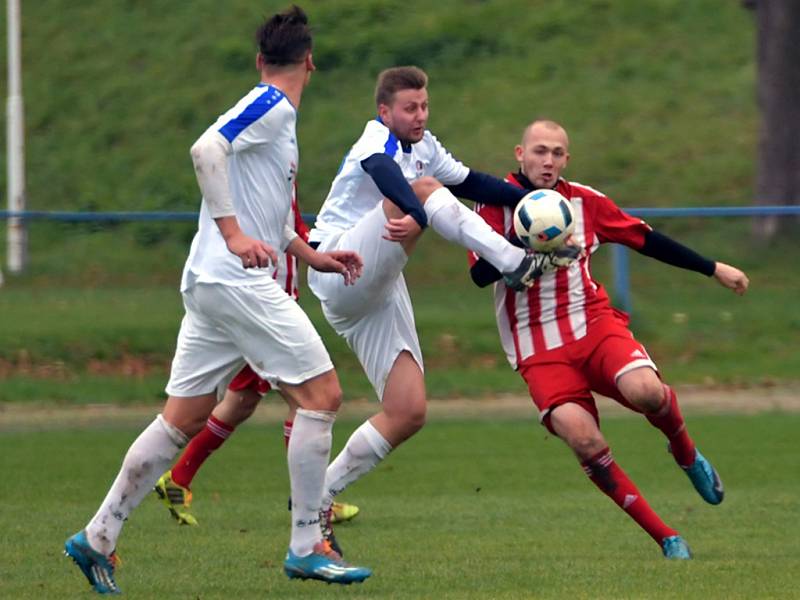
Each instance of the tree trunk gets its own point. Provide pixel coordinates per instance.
(778, 169)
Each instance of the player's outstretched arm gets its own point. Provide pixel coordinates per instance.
(346, 262)
(732, 278)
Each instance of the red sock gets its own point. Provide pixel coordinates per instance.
(199, 449)
(287, 432)
(672, 425)
(614, 483)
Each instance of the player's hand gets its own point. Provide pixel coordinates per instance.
(346, 262)
(400, 230)
(252, 252)
(732, 278)
(567, 254)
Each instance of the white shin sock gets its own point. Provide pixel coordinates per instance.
(363, 451)
(148, 457)
(456, 223)
(308, 454)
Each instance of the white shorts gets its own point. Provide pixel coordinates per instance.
(375, 315)
(224, 326)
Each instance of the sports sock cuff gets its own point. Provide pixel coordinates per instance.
(375, 440)
(601, 459)
(439, 199)
(317, 415)
(178, 438)
(219, 428)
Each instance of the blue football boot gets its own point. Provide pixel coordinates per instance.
(98, 568)
(325, 565)
(675, 547)
(705, 479)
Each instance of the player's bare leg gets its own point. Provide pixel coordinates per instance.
(578, 428)
(404, 405)
(174, 486)
(643, 389)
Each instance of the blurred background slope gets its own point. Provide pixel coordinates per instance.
(658, 98)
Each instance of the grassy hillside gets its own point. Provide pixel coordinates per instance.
(658, 95)
(658, 98)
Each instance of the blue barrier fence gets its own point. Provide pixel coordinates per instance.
(620, 258)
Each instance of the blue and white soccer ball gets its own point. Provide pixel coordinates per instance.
(543, 220)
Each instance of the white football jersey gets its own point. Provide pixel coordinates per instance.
(353, 193)
(262, 165)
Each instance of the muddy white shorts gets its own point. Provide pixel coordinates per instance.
(375, 315)
(226, 326)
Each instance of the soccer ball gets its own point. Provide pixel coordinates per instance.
(543, 220)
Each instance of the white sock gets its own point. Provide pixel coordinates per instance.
(363, 451)
(148, 457)
(308, 454)
(456, 223)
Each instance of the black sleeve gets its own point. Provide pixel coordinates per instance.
(486, 189)
(390, 181)
(483, 273)
(663, 248)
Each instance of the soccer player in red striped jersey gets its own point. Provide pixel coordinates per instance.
(566, 340)
(242, 395)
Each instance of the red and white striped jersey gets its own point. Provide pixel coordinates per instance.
(286, 271)
(560, 305)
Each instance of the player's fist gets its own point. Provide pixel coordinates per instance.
(731, 277)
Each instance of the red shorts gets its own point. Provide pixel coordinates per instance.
(246, 379)
(593, 363)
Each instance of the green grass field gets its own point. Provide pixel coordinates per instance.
(470, 508)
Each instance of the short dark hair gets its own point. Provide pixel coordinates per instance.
(285, 38)
(391, 81)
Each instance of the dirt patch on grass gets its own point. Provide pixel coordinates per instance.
(693, 399)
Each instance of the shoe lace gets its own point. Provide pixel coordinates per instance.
(325, 523)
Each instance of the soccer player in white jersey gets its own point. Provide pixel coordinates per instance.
(245, 164)
(240, 400)
(566, 340)
(390, 186)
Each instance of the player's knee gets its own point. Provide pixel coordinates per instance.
(425, 186)
(332, 397)
(246, 405)
(647, 396)
(586, 444)
(417, 417)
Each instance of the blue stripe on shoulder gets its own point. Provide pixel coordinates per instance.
(390, 147)
(252, 112)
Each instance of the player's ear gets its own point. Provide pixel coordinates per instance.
(259, 61)
(518, 152)
(310, 66)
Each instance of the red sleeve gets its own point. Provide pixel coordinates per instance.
(612, 224)
(495, 217)
(299, 225)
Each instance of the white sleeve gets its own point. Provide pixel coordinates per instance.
(288, 231)
(444, 167)
(210, 158)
